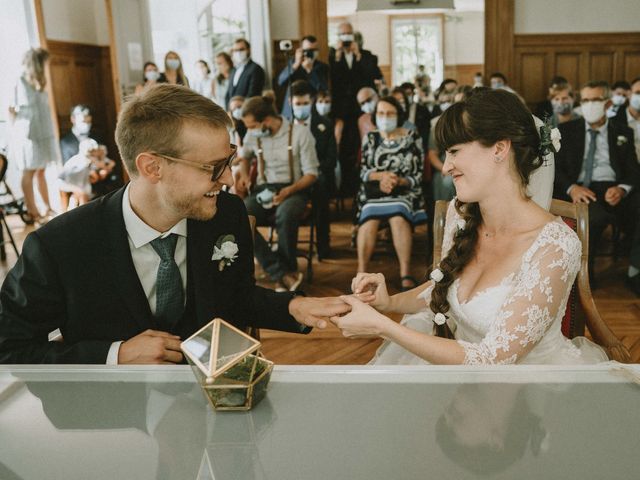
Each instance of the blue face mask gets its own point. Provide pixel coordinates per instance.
(173, 63)
(302, 112)
(323, 108)
(387, 124)
(262, 132)
(237, 113)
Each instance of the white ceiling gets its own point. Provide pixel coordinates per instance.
(343, 8)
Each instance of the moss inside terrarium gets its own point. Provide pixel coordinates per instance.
(240, 375)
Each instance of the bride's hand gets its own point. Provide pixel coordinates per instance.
(362, 321)
(371, 288)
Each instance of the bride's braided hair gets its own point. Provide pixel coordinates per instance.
(486, 116)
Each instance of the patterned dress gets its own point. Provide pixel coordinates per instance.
(404, 156)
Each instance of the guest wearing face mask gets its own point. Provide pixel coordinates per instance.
(224, 65)
(391, 188)
(561, 98)
(203, 82)
(321, 127)
(544, 109)
(235, 110)
(399, 94)
(151, 77)
(323, 103)
(620, 93)
(367, 99)
(173, 71)
(352, 68)
(478, 80)
(304, 66)
(499, 81)
(81, 129)
(247, 77)
(597, 165)
(287, 166)
(630, 116)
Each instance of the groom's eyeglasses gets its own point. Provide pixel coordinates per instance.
(216, 168)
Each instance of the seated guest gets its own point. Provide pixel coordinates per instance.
(287, 166)
(151, 77)
(81, 129)
(322, 130)
(630, 116)
(545, 109)
(323, 103)
(112, 274)
(173, 70)
(367, 99)
(235, 109)
(620, 93)
(391, 174)
(597, 165)
(417, 114)
(561, 98)
(499, 81)
(304, 66)
(400, 95)
(246, 77)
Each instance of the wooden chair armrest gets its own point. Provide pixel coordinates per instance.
(599, 330)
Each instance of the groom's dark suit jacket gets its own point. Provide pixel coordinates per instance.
(76, 274)
(570, 158)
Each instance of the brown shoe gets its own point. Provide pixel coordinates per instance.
(292, 281)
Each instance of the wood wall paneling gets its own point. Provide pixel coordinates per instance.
(314, 21)
(578, 57)
(386, 74)
(498, 37)
(463, 73)
(82, 74)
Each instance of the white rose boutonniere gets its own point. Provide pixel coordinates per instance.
(321, 127)
(555, 139)
(621, 140)
(225, 251)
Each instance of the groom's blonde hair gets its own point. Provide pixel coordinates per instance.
(153, 121)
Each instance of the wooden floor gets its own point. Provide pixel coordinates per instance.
(619, 307)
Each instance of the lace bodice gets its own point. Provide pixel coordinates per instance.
(506, 322)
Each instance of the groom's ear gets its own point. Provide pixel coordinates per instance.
(148, 166)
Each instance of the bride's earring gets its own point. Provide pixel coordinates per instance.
(497, 159)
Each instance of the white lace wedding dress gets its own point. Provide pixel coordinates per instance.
(499, 324)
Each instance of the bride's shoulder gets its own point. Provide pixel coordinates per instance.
(557, 233)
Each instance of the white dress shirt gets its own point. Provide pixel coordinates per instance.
(145, 259)
(239, 70)
(348, 56)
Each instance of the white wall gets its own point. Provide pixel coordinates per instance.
(576, 16)
(463, 36)
(78, 21)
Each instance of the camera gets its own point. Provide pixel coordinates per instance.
(309, 53)
(286, 45)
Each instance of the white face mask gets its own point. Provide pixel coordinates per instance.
(82, 128)
(152, 75)
(593, 111)
(239, 57)
(173, 63)
(368, 107)
(635, 101)
(618, 99)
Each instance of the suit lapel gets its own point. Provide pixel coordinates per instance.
(125, 278)
(580, 138)
(201, 272)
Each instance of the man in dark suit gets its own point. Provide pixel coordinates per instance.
(597, 165)
(247, 77)
(81, 129)
(351, 69)
(322, 130)
(128, 276)
(305, 66)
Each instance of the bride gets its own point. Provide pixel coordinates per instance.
(508, 264)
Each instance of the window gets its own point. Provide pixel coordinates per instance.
(417, 41)
(220, 22)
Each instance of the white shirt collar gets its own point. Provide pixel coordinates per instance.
(601, 129)
(141, 233)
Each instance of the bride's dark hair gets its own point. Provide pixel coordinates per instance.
(487, 116)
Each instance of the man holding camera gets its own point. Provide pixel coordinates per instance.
(352, 68)
(304, 66)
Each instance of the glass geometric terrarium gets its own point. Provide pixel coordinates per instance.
(228, 365)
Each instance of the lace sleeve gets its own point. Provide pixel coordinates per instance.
(450, 227)
(539, 296)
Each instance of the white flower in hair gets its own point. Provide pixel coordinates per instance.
(555, 139)
(461, 223)
(437, 275)
(440, 318)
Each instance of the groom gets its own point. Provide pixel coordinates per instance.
(127, 277)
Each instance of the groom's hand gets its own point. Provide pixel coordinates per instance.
(151, 346)
(315, 312)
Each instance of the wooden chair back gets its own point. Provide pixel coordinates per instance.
(581, 309)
